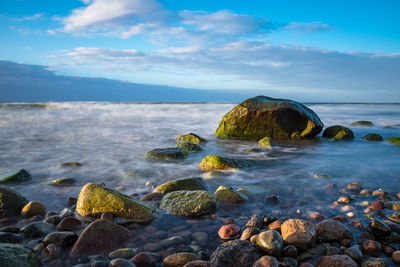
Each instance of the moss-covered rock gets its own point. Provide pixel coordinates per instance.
(228, 196)
(362, 123)
(191, 138)
(189, 203)
(338, 132)
(262, 116)
(193, 183)
(189, 147)
(267, 142)
(165, 153)
(394, 140)
(62, 182)
(12, 255)
(17, 176)
(373, 137)
(11, 202)
(213, 163)
(95, 199)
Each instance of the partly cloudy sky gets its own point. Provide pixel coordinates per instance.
(321, 50)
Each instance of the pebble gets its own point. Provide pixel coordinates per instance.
(351, 215)
(50, 251)
(288, 262)
(266, 261)
(290, 251)
(54, 219)
(275, 225)
(356, 186)
(344, 199)
(152, 247)
(382, 194)
(179, 259)
(229, 231)
(172, 241)
(201, 238)
(373, 262)
(355, 253)
(249, 232)
(61, 239)
(298, 232)
(198, 263)
(270, 242)
(377, 205)
(316, 216)
(336, 260)
(69, 223)
(365, 203)
(253, 239)
(154, 196)
(331, 250)
(121, 263)
(388, 251)
(71, 201)
(365, 192)
(124, 253)
(33, 208)
(66, 213)
(255, 221)
(371, 248)
(37, 229)
(396, 256)
(331, 230)
(229, 220)
(143, 259)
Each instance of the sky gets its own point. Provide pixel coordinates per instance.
(322, 51)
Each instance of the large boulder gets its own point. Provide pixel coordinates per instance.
(95, 199)
(17, 176)
(298, 232)
(262, 116)
(189, 203)
(193, 183)
(11, 202)
(191, 138)
(12, 255)
(189, 147)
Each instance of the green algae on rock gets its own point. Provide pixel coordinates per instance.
(17, 176)
(13, 255)
(95, 199)
(189, 147)
(11, 202)
(362, 123)
(190, 138)
(267, 142)
(213, 162)
(394, 140)
(189, 203)
(228, 196)
(262, 116)
(338, 132)
(373, 137)
(193, 183)
(166, 153)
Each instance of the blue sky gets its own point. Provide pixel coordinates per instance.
(322, 49)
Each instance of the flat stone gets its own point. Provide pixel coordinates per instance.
(69, 223)
(143, 259)
(37, 229)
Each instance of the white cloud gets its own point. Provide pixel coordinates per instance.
(32, 17)
(308, 27)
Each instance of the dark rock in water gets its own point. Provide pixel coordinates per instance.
(394, 140)
(336, 261)
(69, 223)
(179, 259)
(10, 238)
(379, 228)
(70, 164)
(362, 123)
(125, 253)
(267, 142)
(143, 259)
(261, 116)
(198, 263)
(331, 230)
(193, 183)
(37, 229)
(17, 176)
(61, 239)
(121, 263)
(11, 202)
(100, 237)
(355, 253)
(374, 262)
(189, 147)
(154, 196)
(371, 248)
(373, 137)
(395, 217)
(338, 132)
(189, 203)
(235, 253)
(191, 138)
(255, 221)
(165, 153)
(270, 242)
(268, 261)
(213, 162)
(63, 182)
(12, 255)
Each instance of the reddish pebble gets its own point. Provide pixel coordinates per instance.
(371, 248)
(266, 261)
(229, 231)
(143, 259)
(229, 220)
(151, 229)
(346, 242)
(275, 225)
(316, 217)
(377, 205)
(340, 218)
(71, 201)
(10, 229)
(108, 217)
(69, 223)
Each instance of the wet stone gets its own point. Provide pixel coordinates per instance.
(255, 221)
(69, 223)
(356, 187)
(54, 219)
(120, 263)
(290, 251)
(298, 232)
(396, 256)
(373, 262)
(154, 196)
(275, 225)
(143, 259)
(198, 263)
(249, 232)
(345, 199)
(377, 205)
(266, 261)
(336, 260)
(172, 241)
(33, 208)
(61, 239)
(10, 229)
(10, 238)
(37, 229)
(125, 253)
(201, 238)
(229, 231)
(270, 242)
(331, 230)
(371, 248)
(355, 253)
(179, 259)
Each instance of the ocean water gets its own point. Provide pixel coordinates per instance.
(110, 139)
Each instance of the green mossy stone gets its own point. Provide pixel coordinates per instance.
(189, 203)
(394, 140)
(213, 163)
(95, 199)
(262, 116)
(63, 182)
(228, 196)
(373, 137)
(252, 190)
(193, 183)
(166, 153)
(13, 255)
(267, 142)
(362, 123)
(11, 202)
(190, 138)
(189, 147)
(17, 176)
(338, 132)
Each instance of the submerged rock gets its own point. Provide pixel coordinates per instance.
(63, 181)
(262, 116)
(336, 261)
(212, 163)
(298, 232)
(338, 132)
(12, 255)
(189, 147)
(189, 203)
(267, 142)
(179, 259)
(70, 164)
(165, 153)
(228, 196)
(193, 183)
(362, 123)
(11, 202)
(252, 190)
(373, 137)
(394, 140)
(191, 138)
(95, 199)
(17, 176)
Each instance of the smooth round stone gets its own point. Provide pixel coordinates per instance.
(298, 232)
(37, 229)
(143, 259)
(266, 261)
(69, 223)
(275, 225)
(316, 217)
(179, 259)
(377, 205)
(124, 253)
(121, 263)
(152, 247)
(270, 242)
(356, 186)
(249, 232)
(229, 231)
(396, 256)
(344, 199)
(10, 229)
(371, 247)
(33, 208)
(355, 253)
(172, 241)
(288, 262)
(336, 260)
(255, 221)
(54, 219)
(253, 239)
